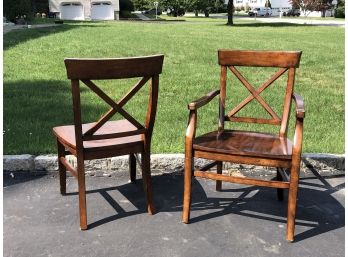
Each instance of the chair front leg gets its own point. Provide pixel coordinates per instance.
(146, 174)
(294, 177)
(292, 201)
(188, 166)
(62, 168)
(187, 188)
(82, 192)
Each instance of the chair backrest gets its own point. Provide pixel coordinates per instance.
(86, 70)
(284, 60)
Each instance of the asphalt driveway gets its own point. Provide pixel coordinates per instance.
(240, 221)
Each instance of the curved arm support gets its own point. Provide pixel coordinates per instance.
(191, 127)
(203, 100)
(300, 110)
(300, 114)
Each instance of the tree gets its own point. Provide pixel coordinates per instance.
(14, 9)
(268, 4)
(308, 6)
(141, 5)
(323, 6)
(230, 9)
(177, 7)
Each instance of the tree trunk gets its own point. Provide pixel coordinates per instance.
(230, 12)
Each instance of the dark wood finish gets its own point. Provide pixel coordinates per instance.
(246, 181)
(254, 93)
(218, 185)
(62, 168)
(258, 58)
(282, 175)
(244, 143)
(115, 68)
(300, 110)
(68, 166)
(257, 91)
(132, 167)
(105, 138)
(243, 159)
(249, 147)
(203, 100)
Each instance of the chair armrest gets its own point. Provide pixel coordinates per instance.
(300, 110)
(203, 100)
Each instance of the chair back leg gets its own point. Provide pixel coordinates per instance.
(280, 191)
(62, 168)
(132, 168)
(218, 171)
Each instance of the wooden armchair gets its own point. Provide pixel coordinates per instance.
(249, 147)
(106, 138)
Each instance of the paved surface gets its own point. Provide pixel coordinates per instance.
(334, 23)
(142, 16)
(240, 221)
(276, 19)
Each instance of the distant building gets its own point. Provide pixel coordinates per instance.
(276, 5)
(85, 9)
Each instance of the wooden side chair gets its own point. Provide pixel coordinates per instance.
(249, 147)
(106, 138)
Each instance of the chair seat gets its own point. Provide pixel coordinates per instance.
(66, 134)
(245, 143)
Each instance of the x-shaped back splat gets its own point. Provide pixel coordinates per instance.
(115, 108)
(255, 94)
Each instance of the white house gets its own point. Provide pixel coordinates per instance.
(85, 9)
(277, 5)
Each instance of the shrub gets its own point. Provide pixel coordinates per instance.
(14, 9)
(125, 14)
(339, 12)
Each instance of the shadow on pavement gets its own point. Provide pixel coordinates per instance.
(318, 211)
(11, 179)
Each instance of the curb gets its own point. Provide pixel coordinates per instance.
(326, 164)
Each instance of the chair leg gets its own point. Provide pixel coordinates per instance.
(294, 177)
(132, 168)
(187, 189)
(146, 173)
(280, 191)
(82, 192)
(219, 171)
(62, 168)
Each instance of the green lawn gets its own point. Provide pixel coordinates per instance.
(37, 92)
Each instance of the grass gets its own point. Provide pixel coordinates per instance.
(37, 92)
